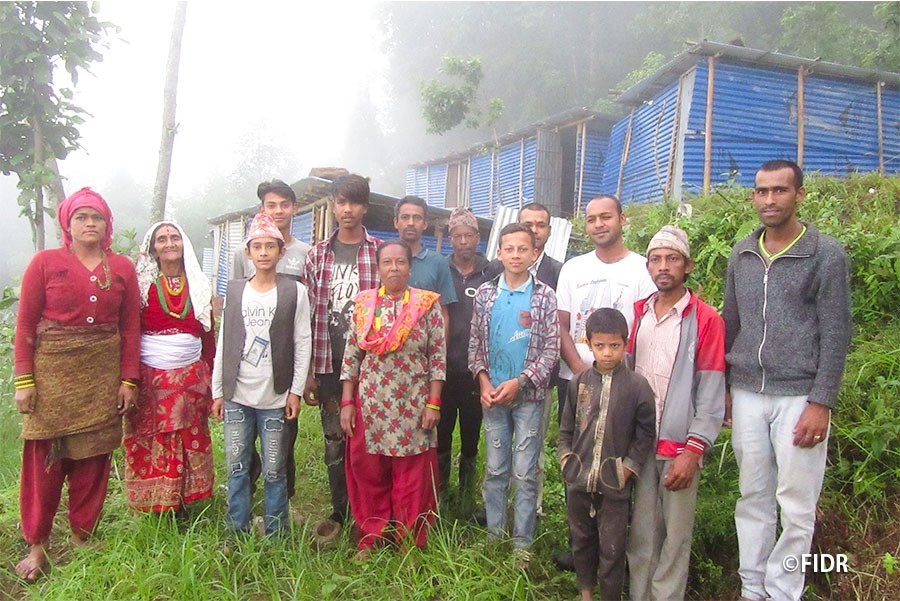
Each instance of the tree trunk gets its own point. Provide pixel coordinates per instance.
(37, 216)
(158, 209)
(56, 193)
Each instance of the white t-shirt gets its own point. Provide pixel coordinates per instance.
(586, 283)
(255, 386)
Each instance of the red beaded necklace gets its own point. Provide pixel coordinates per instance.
(173, 302)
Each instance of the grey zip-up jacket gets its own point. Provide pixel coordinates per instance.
(788, 324)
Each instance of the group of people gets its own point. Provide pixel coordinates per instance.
(396, 345)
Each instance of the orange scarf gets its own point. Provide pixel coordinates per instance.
(376, 340)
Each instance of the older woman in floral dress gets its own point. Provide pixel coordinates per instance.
(168, 451)
(394, 368)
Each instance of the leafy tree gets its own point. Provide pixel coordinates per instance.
(38, 119)
(445, 106)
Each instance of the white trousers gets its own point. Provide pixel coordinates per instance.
(773, 470)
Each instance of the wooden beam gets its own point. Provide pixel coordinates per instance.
(625, 149)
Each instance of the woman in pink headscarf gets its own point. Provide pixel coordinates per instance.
(77, 352)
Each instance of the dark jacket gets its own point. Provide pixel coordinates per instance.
(281, 334)
(627, 436)
(461, 312)
(788, 324)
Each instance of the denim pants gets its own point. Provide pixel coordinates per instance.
(329, 396)
(773, 470)
(242, 425)
(513, 440)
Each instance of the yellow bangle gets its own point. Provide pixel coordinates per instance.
(433, 406)
(129, 384)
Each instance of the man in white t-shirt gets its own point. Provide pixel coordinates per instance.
(609, 276)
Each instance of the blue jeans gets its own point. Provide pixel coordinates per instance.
(242, 425)
(513, 440)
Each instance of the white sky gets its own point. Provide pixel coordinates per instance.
(294, 68)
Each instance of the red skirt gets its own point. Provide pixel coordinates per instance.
(168, 450)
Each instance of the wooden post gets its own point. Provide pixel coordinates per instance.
(625, 149)
(521, 168)
(801, 113)
(878, 86)
(707, 140)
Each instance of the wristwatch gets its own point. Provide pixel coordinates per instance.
(523, 381)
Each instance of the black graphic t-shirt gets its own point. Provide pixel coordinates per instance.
(344, 286)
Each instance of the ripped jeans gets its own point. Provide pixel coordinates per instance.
(242, 425)
(513, 440)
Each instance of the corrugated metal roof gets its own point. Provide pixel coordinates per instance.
(572, 117)
(670, 72)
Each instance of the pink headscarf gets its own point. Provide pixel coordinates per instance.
(84, 198)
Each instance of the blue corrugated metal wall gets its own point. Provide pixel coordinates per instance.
(222, 279)
(613, 158)
(595, 151)
(429, 182)
(646, 168)
(480, 184)
(754, 120)
(302, 227)
(890, 116)
(435, 192)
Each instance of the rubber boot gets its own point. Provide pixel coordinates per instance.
(443, 459)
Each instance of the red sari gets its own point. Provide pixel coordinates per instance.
(168, 449)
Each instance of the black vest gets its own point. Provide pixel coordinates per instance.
(281, 334)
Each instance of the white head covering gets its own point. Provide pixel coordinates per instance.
(198, 285)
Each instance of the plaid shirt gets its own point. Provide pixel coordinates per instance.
(543, 347)
(319, 263)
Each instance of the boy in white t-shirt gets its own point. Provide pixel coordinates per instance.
(260, 369)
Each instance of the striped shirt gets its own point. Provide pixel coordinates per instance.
(319, 265)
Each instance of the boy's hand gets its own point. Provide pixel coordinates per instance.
(292, 407)
(682, 471)
(430, 418)
(628, 474)
(507, 391)
(310, 390)
(348, 419)
(218, 408)
(487, 390)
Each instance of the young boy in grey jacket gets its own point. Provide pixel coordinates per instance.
(607, 432)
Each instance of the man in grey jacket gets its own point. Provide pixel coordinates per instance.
(788, 328)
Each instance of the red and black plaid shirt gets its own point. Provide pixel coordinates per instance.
(319, 264)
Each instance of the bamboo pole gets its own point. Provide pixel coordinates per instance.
(878, 86)
(707, 139)
(801, 113)
(625, 149)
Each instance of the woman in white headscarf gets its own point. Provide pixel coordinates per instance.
(168, 450)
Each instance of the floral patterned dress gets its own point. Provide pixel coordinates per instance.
(394, 386)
